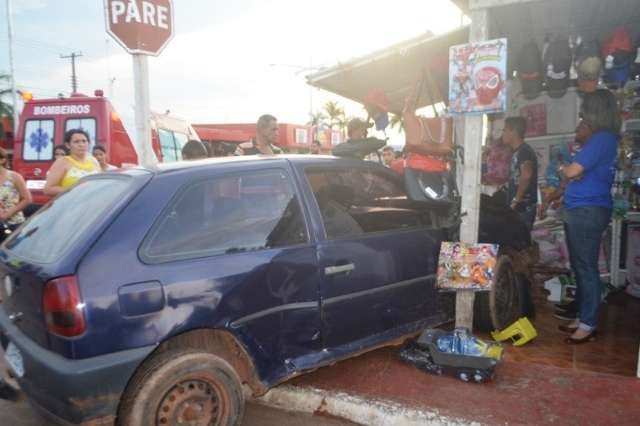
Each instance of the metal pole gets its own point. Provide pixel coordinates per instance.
(14, 91)
(310, 89)
(146, 156)
(74, 77)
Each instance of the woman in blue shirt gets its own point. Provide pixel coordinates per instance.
(588, 205)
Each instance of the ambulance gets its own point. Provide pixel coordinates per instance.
(43, 123)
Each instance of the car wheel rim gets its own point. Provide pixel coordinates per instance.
(191, 403)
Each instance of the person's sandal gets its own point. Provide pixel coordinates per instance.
(588, 338)
(568, 328)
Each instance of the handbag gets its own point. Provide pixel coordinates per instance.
(421, 134)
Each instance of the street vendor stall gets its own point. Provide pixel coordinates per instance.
(563, 32)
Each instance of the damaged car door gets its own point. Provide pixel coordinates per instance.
(378, 259)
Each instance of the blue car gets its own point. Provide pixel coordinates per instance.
(150, 297)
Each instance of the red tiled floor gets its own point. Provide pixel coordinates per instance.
(615, 351)
(543, 382)
(522, 393)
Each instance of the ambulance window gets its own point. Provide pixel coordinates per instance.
(168, 146)
(38, 140)
(181, 140)
(86, 124)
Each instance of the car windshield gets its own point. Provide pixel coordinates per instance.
(60, 224)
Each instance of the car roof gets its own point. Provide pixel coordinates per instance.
(308, 159)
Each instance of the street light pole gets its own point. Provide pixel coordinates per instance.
(14, 92)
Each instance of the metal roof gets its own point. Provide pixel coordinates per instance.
(395, 70)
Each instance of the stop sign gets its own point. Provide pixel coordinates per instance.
(140, 26)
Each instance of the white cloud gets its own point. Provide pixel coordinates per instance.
(21, 6)
(221, 72)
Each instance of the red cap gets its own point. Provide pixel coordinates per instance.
(619, 39)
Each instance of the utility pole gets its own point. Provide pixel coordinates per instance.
(74, 77)
(11, 69)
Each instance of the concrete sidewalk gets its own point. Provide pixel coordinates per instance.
(378, 389)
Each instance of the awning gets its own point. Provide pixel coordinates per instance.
(395, 70)
(207, 133)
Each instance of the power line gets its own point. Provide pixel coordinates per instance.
(37, 44)
(74, 77)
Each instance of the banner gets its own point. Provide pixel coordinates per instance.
(477, 76)
(463, 266)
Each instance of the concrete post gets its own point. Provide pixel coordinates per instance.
(470, 207)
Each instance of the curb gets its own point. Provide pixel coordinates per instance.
(354, 408)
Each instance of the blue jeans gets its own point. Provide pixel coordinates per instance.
(584, 227)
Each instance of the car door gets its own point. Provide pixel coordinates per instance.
(379, 255)
(234, 251)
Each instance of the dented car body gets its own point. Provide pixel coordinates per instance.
(277, 265)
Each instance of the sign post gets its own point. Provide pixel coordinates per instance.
(142, 28)
(470, 206)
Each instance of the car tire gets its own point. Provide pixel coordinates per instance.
(183, 385)
(503, 304)
(524, 286)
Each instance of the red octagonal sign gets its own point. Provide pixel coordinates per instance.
(140, 26)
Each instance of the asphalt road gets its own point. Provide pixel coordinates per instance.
(21, 414)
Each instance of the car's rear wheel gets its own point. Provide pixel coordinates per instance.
(183, 387)
(503, 304)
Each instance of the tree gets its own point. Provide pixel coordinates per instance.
(6, 109)
(334, 112)
(343, 122)
(317, 119)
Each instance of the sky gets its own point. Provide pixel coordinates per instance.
(228, 62)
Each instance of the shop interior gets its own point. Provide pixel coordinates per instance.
(552, 119)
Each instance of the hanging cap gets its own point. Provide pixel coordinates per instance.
(530, 70)
(558, 66)
(618, 40)
(589, 68)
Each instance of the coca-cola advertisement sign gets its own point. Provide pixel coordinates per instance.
(477, 73)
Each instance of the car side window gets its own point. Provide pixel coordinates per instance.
(225, 215)
(361, 201)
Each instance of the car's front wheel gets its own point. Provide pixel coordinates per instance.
(183, 387)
